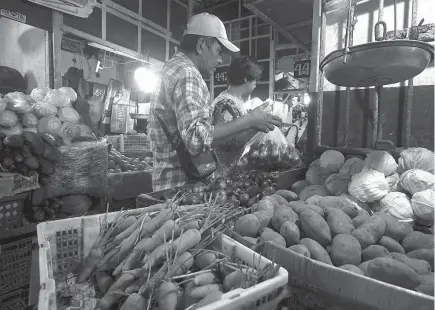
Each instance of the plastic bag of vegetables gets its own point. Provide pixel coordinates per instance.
(8, 118)
(57, 98)
(269, 152)
(19, 102)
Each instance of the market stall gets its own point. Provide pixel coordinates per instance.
(325, 212)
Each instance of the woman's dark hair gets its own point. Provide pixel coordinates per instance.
(243, 69)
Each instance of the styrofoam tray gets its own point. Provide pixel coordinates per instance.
(64, 243)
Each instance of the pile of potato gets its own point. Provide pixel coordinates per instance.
(337, 231)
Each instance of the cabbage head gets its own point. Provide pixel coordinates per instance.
(416, 180)
(381, 161)
(423, 205)
(416, 158)
(369, 186)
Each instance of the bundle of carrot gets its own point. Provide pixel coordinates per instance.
(161, 257)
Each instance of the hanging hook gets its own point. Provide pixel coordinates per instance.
(380, 35)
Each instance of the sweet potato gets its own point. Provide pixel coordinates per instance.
(420, 266)
(263, 217)
(235, 279)
(315, 227)
(363, 267)
(298, 186)
(273, 236)
(373, 251)
(339, 223)
(370, 231)
(339, 203)
(316, 209)
(391, 271)
(269, 200)
(247, 225)
(281, 200)
(265, 205)
(298, 206)
(359, 219)
(345, 249)
(287, 195)
(317, 252)
(418, 240)
(391, 245)
(283, 215)
(290, 232)
(301, 249)
(424, 254)
(262, 230)
(204, 290)
(395, 229)
(426, 284)
(352, 268)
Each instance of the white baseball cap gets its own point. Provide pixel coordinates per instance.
(209, 25)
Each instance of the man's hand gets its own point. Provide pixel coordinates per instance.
(260, 120)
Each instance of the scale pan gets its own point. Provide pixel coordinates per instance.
(377, 63)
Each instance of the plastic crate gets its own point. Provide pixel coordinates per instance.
(16, 300)
(15, 262)
(64, 243)
(11, 213)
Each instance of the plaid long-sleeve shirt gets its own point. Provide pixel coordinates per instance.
(182, 101)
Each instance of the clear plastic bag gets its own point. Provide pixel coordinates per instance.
(269, 152)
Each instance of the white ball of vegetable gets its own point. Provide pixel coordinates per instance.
(397, 205)
(381, 161)
(423, 204)
(416, 180)
(416, 158)
(369, 186)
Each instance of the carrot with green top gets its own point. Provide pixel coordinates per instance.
(142, 220)
(146, 245)
(168, 295)
(156, 222)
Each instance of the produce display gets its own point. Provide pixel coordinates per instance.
(360, 215)
(119, 163)
(269, 152)
(28, 153)
(162, 257)
(43, 111)
(41, 209)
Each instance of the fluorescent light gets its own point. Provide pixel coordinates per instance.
(102, 47)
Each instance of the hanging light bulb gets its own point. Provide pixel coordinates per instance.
(146, 79)
(307, 99)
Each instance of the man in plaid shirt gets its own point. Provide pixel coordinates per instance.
(182, 101)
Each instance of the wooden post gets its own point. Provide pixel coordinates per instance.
(57, 42)
(190, 4)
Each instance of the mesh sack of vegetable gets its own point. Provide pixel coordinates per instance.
(81, 170)
(269, 152)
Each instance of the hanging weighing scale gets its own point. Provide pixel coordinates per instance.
(377, 63)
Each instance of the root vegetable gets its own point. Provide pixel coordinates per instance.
(123, 235)
(90, 264)
(148, 244)
(168, 294)
(134, 302)
(113, 294)
(193, 224)
(186, 241)
(290, 232)
(103, 264)
(205, 278)
(301, 249)
(126, 223)
(204, 290)
(156, 222)
(205, 259)
(181, 265)
(236, 279)
(210, 298)
(104, 281)
(352, 268)
(247, 226)
(273, 237)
